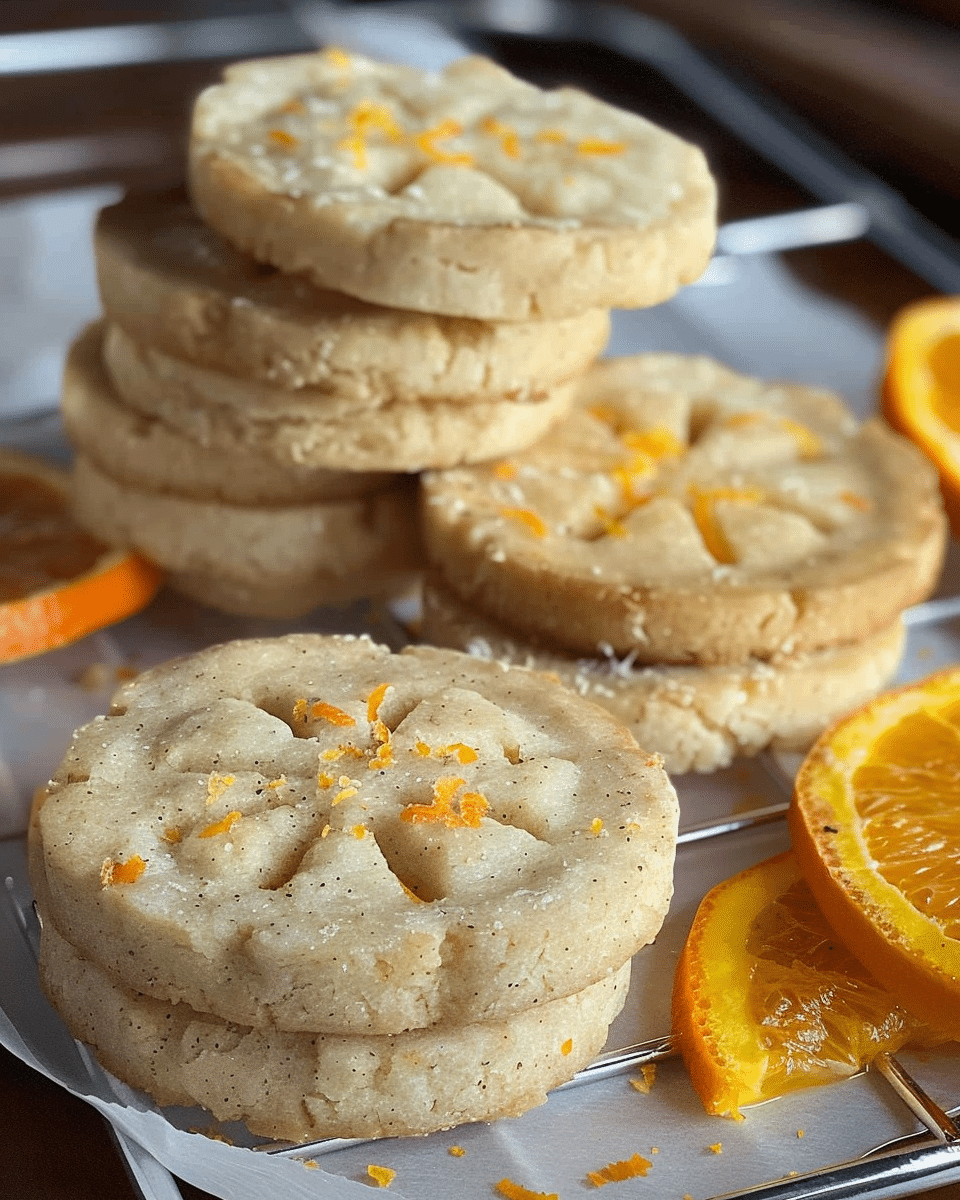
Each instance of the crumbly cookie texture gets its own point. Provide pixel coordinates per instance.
(688, 514)
(146, 452)
(258, 560)
(468, 192)
(302, 1086)
(309, 428)
(175, 284)
(697, 718)
(311, 833)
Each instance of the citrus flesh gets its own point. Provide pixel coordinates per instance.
(921, 387)
(57, 583)
(875, 823)
(767, 1000)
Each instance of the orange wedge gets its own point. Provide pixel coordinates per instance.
(921, 387)
(876, 826)
(766, 1000)
(57, 583)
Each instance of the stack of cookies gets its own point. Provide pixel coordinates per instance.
(382, 272)
(721, 561)
(435, 926)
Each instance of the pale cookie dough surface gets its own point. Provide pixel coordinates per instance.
(687, 514)
(469, 192)
(270, 560)
(312, 429)
(145, 452)
(697, 718)
(303, 1086)
(174, 283)
(340, 839)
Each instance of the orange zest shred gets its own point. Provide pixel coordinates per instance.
(369, 116)
(551, 136)
(172, 835)
(472, 806)
(422, 748)
(526, 516)
(375, 699)
(281, 138)
(703, 507)
(509, 138)
(514, 1191)
(616, 1172)
(382, 1176)
(218, 785)
(456, 1151)
(357, 147)
(359, 832)
(338, 57)
(599, 146)
(383, 757)
(611, 526)
(505, 470)
(808, 444)
(113, 872)
(222, 826)
(458, 750)
(329, 712)
(855, 500)
(566, 1047)
(426, 141)
(348, 787)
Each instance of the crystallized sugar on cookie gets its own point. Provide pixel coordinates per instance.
(337, 839)
(684, 513)
(369, 171)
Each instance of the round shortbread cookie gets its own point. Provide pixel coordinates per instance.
(299, 1087)
(688, 514)
(468, 192)
(311, 833)
(697, 718)
(269, 560)
(145, 452)
(172, 282)
(309, 428)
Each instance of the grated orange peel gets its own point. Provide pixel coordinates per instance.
(876, 828)
(57, 583)
(921, 387)
(767, 1000)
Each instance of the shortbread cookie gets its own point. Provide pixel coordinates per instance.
(468, 192)
(258, 560)
(697, 718)
(312, 428)
(172, 282)
(147, 453)
(315, 834)
(687, 514)
(303, 1086)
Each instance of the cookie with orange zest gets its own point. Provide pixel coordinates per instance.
(57, 583)
(921, 386)
(467, 192)
(686, 514)
(337, 886)
(767, 999)
(876, 828)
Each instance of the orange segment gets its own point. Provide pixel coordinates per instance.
(57, 584)
(767, 1000)
(876, 826)
(921, 387)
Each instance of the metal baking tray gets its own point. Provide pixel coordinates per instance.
(749, 310)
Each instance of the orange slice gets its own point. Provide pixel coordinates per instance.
(766, 1000)
(57, 583)
(876, 826)
(921, 387)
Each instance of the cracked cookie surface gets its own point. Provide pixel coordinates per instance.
(467, 192)
(687, 514)
(312, 833)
